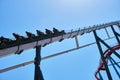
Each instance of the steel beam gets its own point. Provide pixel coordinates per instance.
(114, 62)
(115, 33)
(117, 54)
(77, 43)
(11, 49)
(107, 33)
(114, 66)
(100, 76)
(47, 57)
(38, 73)
(102, 56)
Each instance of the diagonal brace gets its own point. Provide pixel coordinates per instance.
(114, 66)
(102, 56)
(116, 34)
(108, 47)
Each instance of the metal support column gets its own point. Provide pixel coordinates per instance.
(102, 56)
(114, 66)
(116, 35)
(76, 40)
(38, 73)
(107, 33)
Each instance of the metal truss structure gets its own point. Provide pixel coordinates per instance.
(22, 43)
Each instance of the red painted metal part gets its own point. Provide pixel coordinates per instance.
(106, 54)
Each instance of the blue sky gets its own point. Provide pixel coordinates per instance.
(29, 15)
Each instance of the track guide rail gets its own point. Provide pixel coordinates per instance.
(42, 42)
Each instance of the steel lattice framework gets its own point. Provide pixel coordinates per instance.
(22, 43)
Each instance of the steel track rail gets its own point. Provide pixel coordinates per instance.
(21, 47)
(47, 57)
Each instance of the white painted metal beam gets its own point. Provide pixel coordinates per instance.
(47, 57)
(12, 50)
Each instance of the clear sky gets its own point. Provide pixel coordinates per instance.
(29, 15)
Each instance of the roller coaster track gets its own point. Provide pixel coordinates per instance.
(28, 45)
(16, 47)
